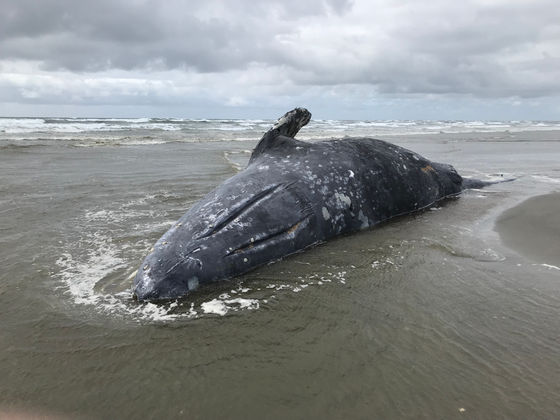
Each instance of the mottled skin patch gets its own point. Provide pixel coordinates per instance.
(291, 196)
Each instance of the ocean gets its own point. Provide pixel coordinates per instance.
(447, 313)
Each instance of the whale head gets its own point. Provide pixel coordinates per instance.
(254, 217)
(229, 232)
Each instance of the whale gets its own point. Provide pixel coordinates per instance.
(291, 196)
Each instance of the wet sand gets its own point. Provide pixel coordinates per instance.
(533, 228)
(427, 317)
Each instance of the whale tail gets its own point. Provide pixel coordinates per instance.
(469, 184)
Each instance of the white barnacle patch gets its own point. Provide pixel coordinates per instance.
(263, 167)
(193, 283)
(245, 260)
(326, 214)
(280, 122)
(351, 173)
(342, 200)
(362, 218)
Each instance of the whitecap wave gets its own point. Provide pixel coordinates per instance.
(323, 127)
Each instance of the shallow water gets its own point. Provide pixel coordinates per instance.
(428, 316)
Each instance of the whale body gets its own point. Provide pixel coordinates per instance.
(291, 196)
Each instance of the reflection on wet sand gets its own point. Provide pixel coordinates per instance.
(533, 228)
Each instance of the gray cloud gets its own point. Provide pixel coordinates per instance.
(203, 35)
(241, 51)
(448, 48)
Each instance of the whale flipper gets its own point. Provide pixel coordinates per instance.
(282, 134)
(291, 122)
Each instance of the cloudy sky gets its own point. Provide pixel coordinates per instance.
(356, 59)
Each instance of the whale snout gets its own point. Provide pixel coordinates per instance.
(167, 273)
(149, 289)
(153, 284)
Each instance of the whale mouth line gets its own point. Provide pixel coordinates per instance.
(238, 209)
(247, 246)
(242, 207)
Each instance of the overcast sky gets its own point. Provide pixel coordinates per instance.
(355, 59)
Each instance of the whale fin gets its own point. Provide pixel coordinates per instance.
(283, 132)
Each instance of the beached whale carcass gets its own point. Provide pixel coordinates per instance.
(291, 196)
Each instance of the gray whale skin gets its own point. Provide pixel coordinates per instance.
(291, 196)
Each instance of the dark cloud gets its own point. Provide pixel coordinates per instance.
(202, 35)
